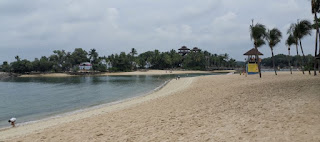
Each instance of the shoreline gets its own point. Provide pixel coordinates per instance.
(90, 108)
(149, 72)
(51, 121)
(205, 108)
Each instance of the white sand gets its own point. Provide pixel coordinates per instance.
(209, 108)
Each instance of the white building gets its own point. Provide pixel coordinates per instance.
(85, 66)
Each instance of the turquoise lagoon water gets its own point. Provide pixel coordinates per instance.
(30, 99)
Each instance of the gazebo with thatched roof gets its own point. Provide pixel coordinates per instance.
(251, 55)
(183, 50)
(252, 63)
(195, 49)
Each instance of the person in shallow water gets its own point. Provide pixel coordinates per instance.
(12, 121)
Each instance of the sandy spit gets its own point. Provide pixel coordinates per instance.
(209, 108)
(149, 72)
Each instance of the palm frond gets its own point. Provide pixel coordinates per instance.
(259, 42)
(315, 6)
(257, 34)
(290, 41)
(273, 37)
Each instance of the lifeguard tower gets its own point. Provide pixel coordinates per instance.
(252, 63)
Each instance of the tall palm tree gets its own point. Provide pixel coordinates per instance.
(304, 29)
(292, 31)
(290, 41)
(299, 30)
(17, 58)
(93, 56)
(315, 8)
(316, 26)
(257, 34)
(133, 52)
(273, 37)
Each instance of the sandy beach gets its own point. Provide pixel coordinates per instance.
(208, 108)
(149, 72)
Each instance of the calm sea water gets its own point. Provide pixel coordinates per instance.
(30, 99)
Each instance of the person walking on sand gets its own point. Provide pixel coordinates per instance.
(12, 121)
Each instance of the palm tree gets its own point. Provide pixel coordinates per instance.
(93, 56)
(315, 7)
(133, 52)
(292, 31)
(316, 26)
(273, 37)
(257, 34)
(17, 58)
(289, 42)
(299, 30)
(304, 28)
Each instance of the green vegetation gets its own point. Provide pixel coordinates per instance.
(283, 62)
(258, 34)
(273, 37)
(62, 61)
(299, 30)
(296, 32)
(315, 8)
(290, 41)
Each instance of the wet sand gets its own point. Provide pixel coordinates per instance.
(207, 108)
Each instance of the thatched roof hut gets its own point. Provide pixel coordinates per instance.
(183, 50)
(253, 51)
(196, 49)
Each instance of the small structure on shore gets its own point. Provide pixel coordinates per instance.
(183, 50)
(85, 66)
(195, 49)
(252, 63)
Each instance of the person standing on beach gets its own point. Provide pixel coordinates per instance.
(12, 121)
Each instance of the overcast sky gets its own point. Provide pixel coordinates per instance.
(32, 28)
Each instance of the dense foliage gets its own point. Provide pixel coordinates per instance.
(283, 61)
(62, 61)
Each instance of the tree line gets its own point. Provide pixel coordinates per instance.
(286, 61)
(62, 61)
